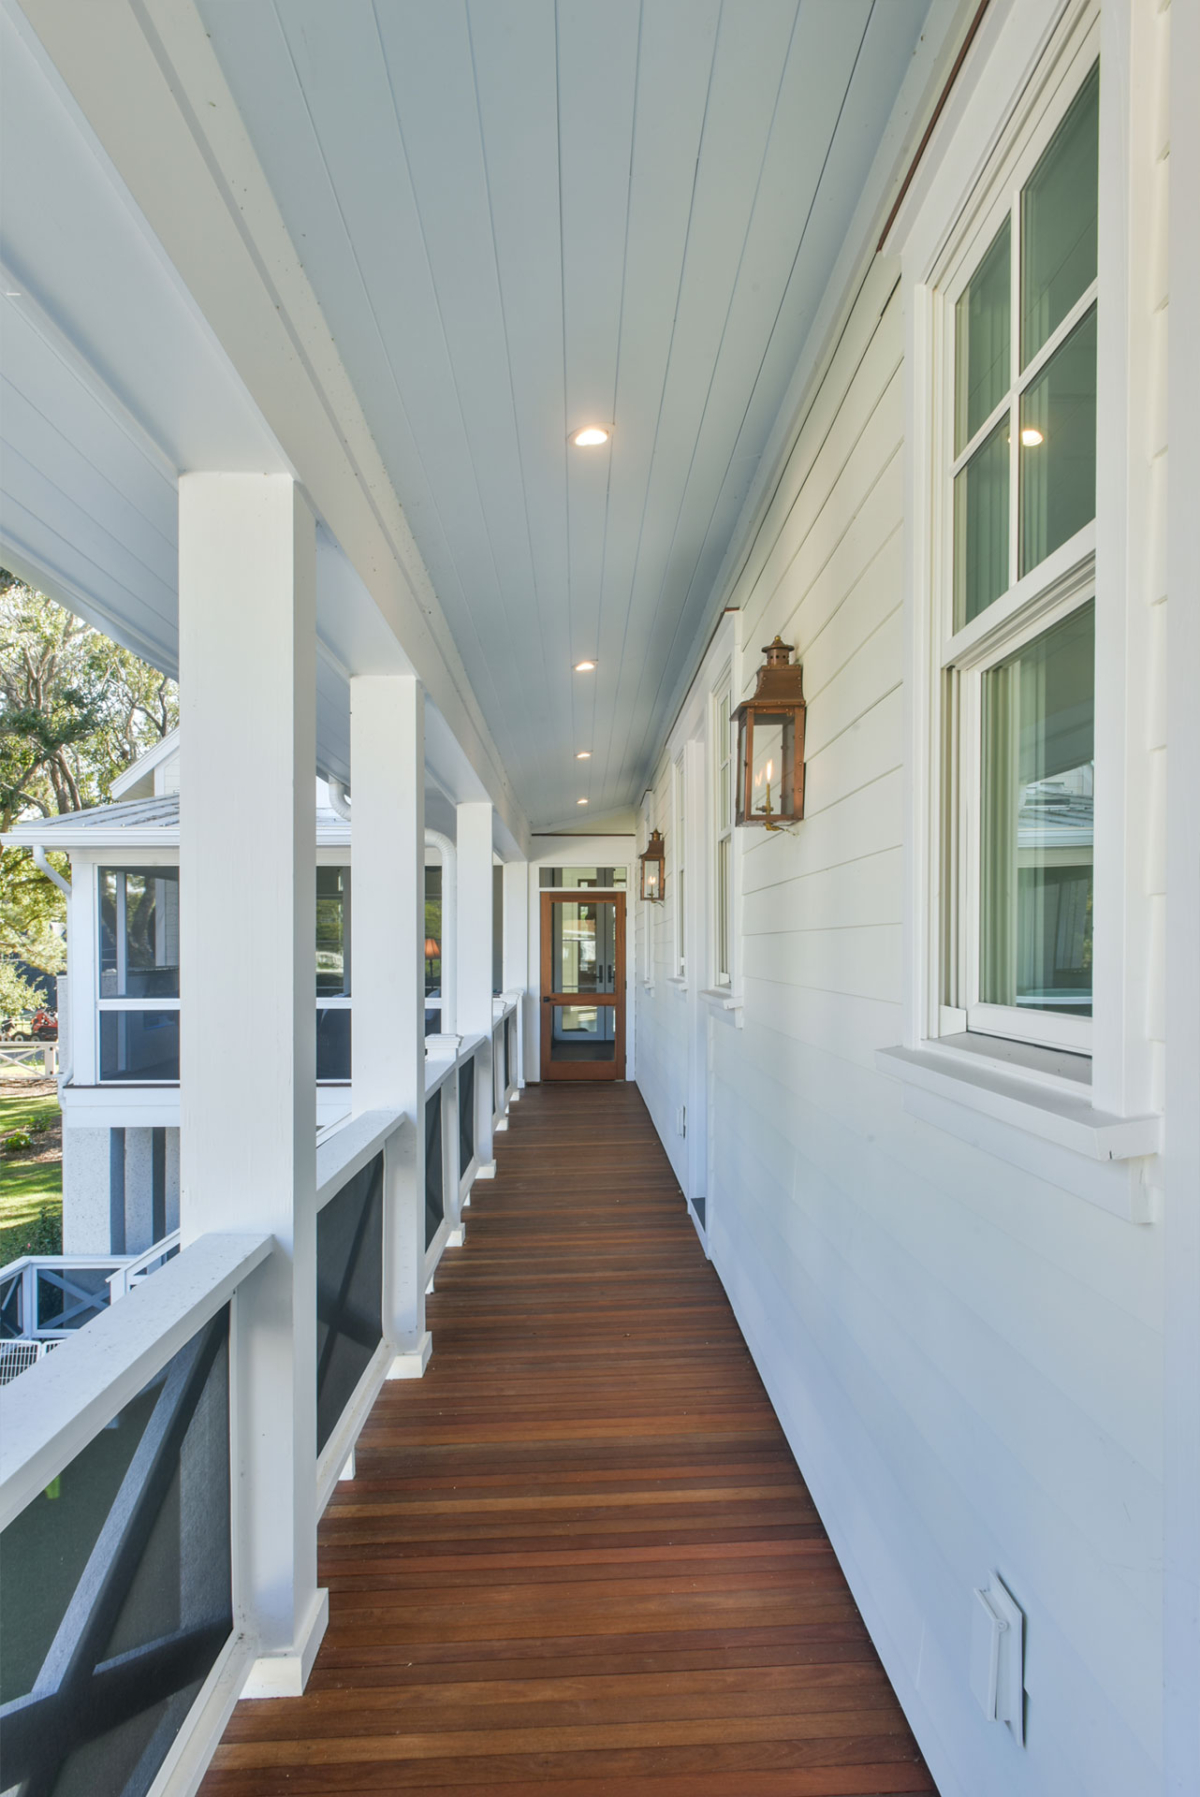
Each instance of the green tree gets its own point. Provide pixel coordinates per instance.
(75, 710)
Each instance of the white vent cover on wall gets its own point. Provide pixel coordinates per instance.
(998, 1655)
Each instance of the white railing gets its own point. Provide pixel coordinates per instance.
(132, 1272)
(447, 1059)
(507, 1054)
(48, 1418)
(167, 1331)
(343, 1153)
(64, 1278)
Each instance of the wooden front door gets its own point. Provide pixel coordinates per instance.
(583, 985)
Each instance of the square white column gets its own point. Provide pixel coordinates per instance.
(516, 950)
(247, 649)
(474, 973)
(387, 976)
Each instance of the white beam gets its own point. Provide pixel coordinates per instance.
(247, 909)
(387, 754)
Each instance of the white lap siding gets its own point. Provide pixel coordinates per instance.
(965, 1356)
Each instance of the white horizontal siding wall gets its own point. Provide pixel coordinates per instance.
(662, 1065)
(966, 1358)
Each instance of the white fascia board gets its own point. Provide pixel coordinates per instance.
(146, 764)
(150, 88)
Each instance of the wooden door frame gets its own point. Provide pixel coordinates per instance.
(582, 1070)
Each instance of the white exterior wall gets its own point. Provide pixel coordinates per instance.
(965, 1354)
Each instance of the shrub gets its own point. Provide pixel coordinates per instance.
(17, 1142)
(45, 1237)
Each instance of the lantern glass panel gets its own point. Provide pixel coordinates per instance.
(651, 879)
(770, 772)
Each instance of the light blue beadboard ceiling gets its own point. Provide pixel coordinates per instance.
(521, 217)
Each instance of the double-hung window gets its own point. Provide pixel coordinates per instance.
(723, 841)
(333, 973)
(138, 948)
(681, 795)
(1017, 592)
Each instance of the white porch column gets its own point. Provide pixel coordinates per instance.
(387, 975)
(516, 950)
(475, 959)
(248, 1098)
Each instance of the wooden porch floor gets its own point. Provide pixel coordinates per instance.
(578, 1557)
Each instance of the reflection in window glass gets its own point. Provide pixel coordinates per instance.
(333, 932)
(433, 932)
(981, 527)
(982, 340)
(139, 932)
(1058, 222)
(1058, 447)
(140, 1046)
(1038, 788)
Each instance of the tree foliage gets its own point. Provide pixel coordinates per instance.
(75, 710)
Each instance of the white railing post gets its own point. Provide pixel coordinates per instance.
(475, 961)
(247, 654)
(387, 977)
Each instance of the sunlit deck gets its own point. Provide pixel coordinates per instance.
(578, 1556)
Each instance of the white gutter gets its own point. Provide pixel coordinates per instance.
(339, 798)
(43, 866)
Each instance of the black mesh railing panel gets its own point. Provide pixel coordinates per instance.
(466, 1114)
(10, 1307)
(435, 1204)
(507, 1053)
(69, 1297)
(115, 1588)
(349, 1291)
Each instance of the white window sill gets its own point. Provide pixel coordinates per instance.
(999, 1108)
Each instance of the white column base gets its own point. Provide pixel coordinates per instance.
(457, 1237)
(487, 1171)
(347, 1471)
(411, 1365)
(429, 1287)
(286, 1674)
(503, 1124)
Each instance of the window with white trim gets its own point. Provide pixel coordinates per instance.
(723, 844)
(680, 784)
(1016, 597)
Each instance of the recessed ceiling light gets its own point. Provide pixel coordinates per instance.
(585, 667)
(581, 801)
(591, 436)
(1031, 437)
(583, 755)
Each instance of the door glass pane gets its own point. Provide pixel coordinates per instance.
(139, 932)
(583, 1033)
(724, 817)
(1058, 222)
(583, 946)
(1058, 447)
(981, 527)
(1036, 872)
(982, 340)
(578, 877)
(723, 956)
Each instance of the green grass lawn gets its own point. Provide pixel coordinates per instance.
(30, 1180)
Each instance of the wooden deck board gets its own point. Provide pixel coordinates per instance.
(578, 1558)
